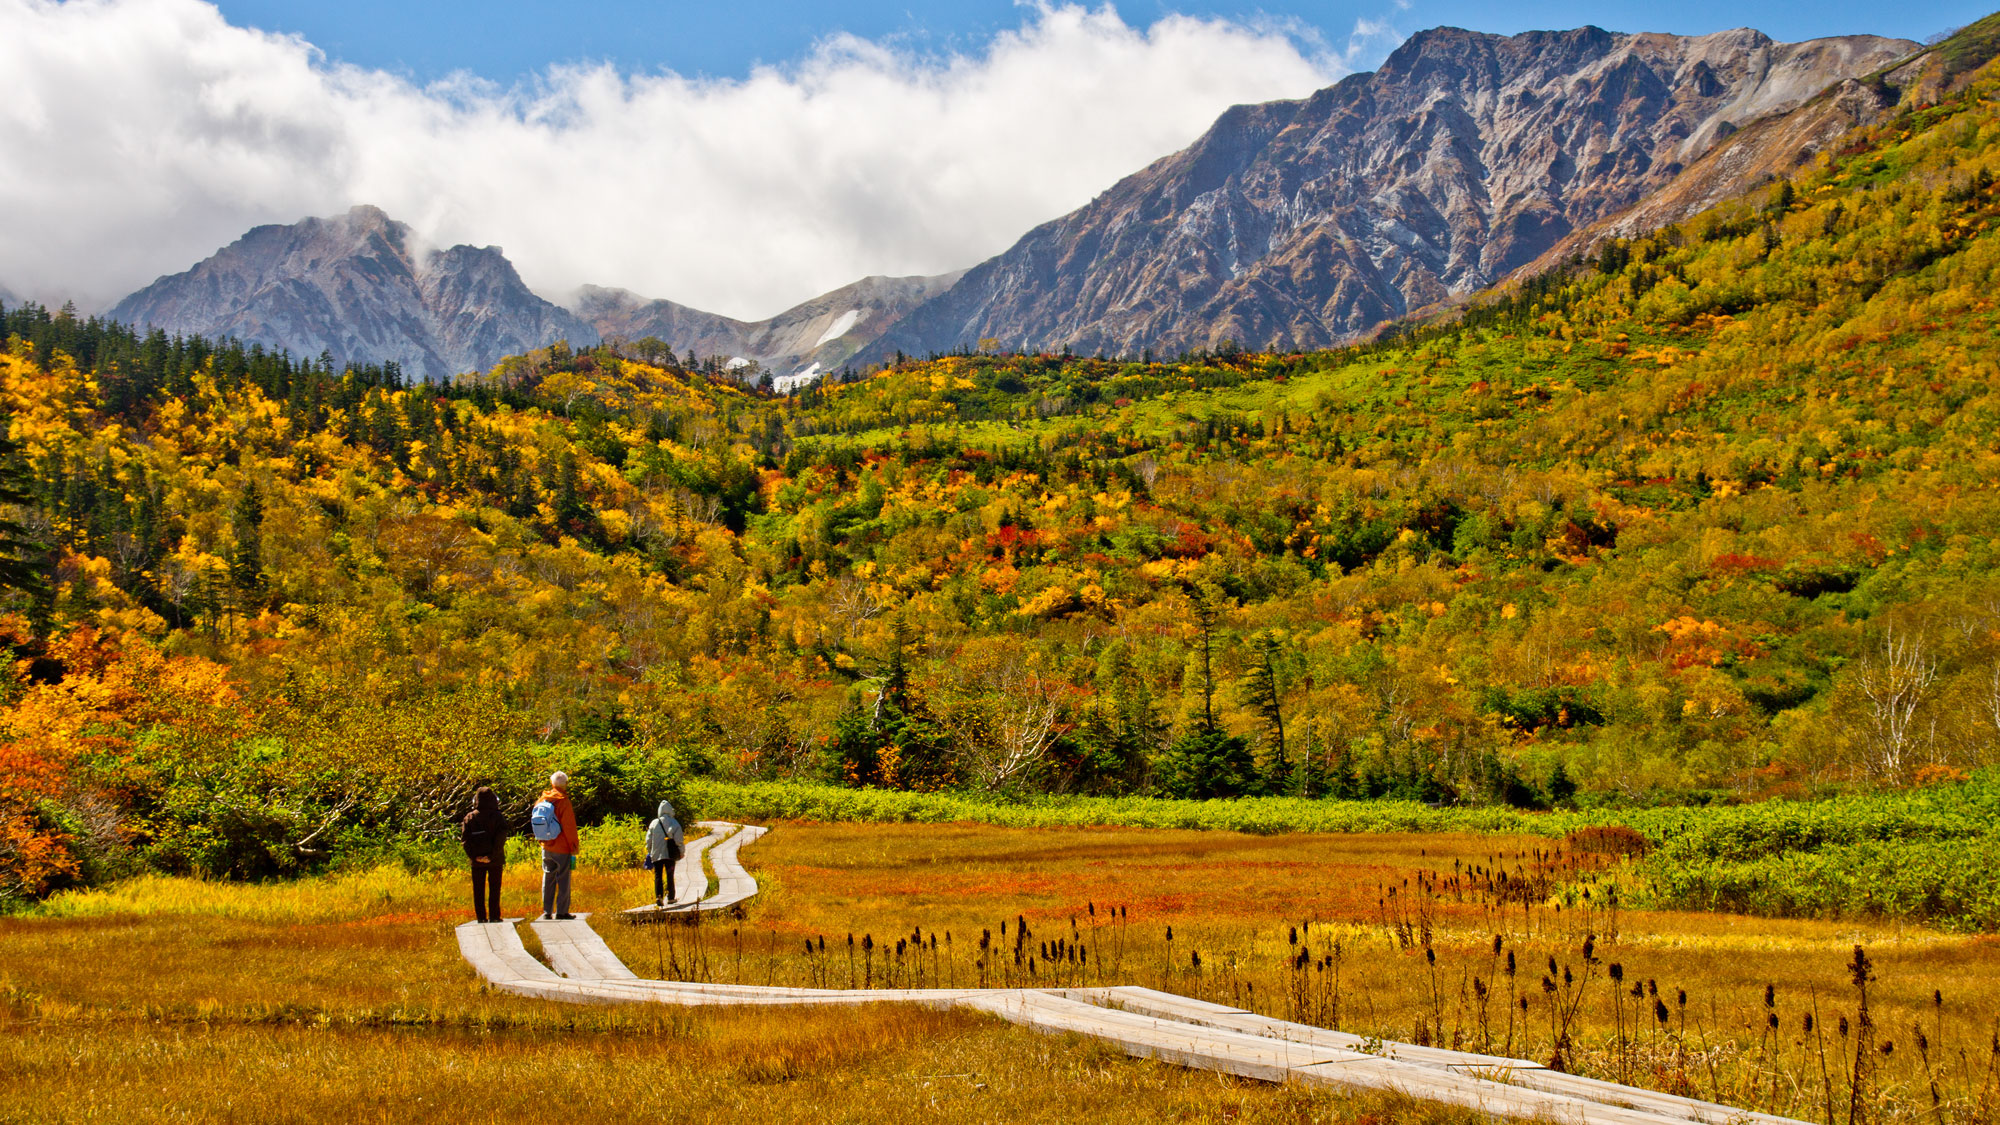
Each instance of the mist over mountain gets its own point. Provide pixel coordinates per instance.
(1296, 224)
(362, 288)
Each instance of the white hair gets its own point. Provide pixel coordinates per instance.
(559, 779)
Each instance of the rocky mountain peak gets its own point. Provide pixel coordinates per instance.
(1297, 224)
(363, 288)
(1752, 147)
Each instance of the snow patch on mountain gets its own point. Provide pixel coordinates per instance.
(786, 384)
(840, 327)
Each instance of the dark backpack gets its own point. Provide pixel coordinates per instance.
(477, 837)
(674, 850)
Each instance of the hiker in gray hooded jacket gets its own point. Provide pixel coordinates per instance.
(664, 847)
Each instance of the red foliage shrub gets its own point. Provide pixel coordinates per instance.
(1609, 839)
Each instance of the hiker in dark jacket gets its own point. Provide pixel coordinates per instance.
(484, 834)
(664, 847)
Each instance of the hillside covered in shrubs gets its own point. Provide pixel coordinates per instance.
(1711, 516)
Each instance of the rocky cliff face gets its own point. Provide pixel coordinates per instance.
(1297, 224)
(360, 287)
(818, 335)
(1782, 144)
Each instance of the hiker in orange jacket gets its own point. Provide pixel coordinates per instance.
(559, 854)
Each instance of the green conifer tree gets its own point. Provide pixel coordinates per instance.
(24, 557)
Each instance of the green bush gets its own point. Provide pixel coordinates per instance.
(615, 842)
(622, 781)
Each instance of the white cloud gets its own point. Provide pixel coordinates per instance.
(136, 136)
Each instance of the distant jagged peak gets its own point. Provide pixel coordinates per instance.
(366, 215)
(819, 333)
(465, 260)
(365, 288)
(351, 229)
(365, 230)
(1438, 54)
(597, 302)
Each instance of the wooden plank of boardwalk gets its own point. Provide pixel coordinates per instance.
(733, 884)
(1143, 1022)
(495, 950)
(1522, 1072)
(1258, 1054)
(575, 951)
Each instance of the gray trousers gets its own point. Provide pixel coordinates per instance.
(556, 871)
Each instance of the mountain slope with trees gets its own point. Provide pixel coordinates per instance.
(1710, 516)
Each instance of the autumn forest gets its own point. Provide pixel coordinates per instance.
(1707, 516)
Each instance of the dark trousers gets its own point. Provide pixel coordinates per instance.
(556, 870)
(486, 891)
(663, 881)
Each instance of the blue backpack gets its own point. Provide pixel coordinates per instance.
(544, 821)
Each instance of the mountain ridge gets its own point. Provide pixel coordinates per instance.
(1466, 158)
(1299, 224)
(1784, 144)
(818, 334)
(362, 287)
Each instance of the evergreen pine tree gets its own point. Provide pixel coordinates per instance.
(246, 558)
(1264, 690)
(24, 558)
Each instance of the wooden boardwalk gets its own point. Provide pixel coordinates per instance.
(733, 884)
(1140, 1021)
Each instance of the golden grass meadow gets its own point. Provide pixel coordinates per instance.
(164, 999)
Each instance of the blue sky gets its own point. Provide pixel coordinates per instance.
(504, 40)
